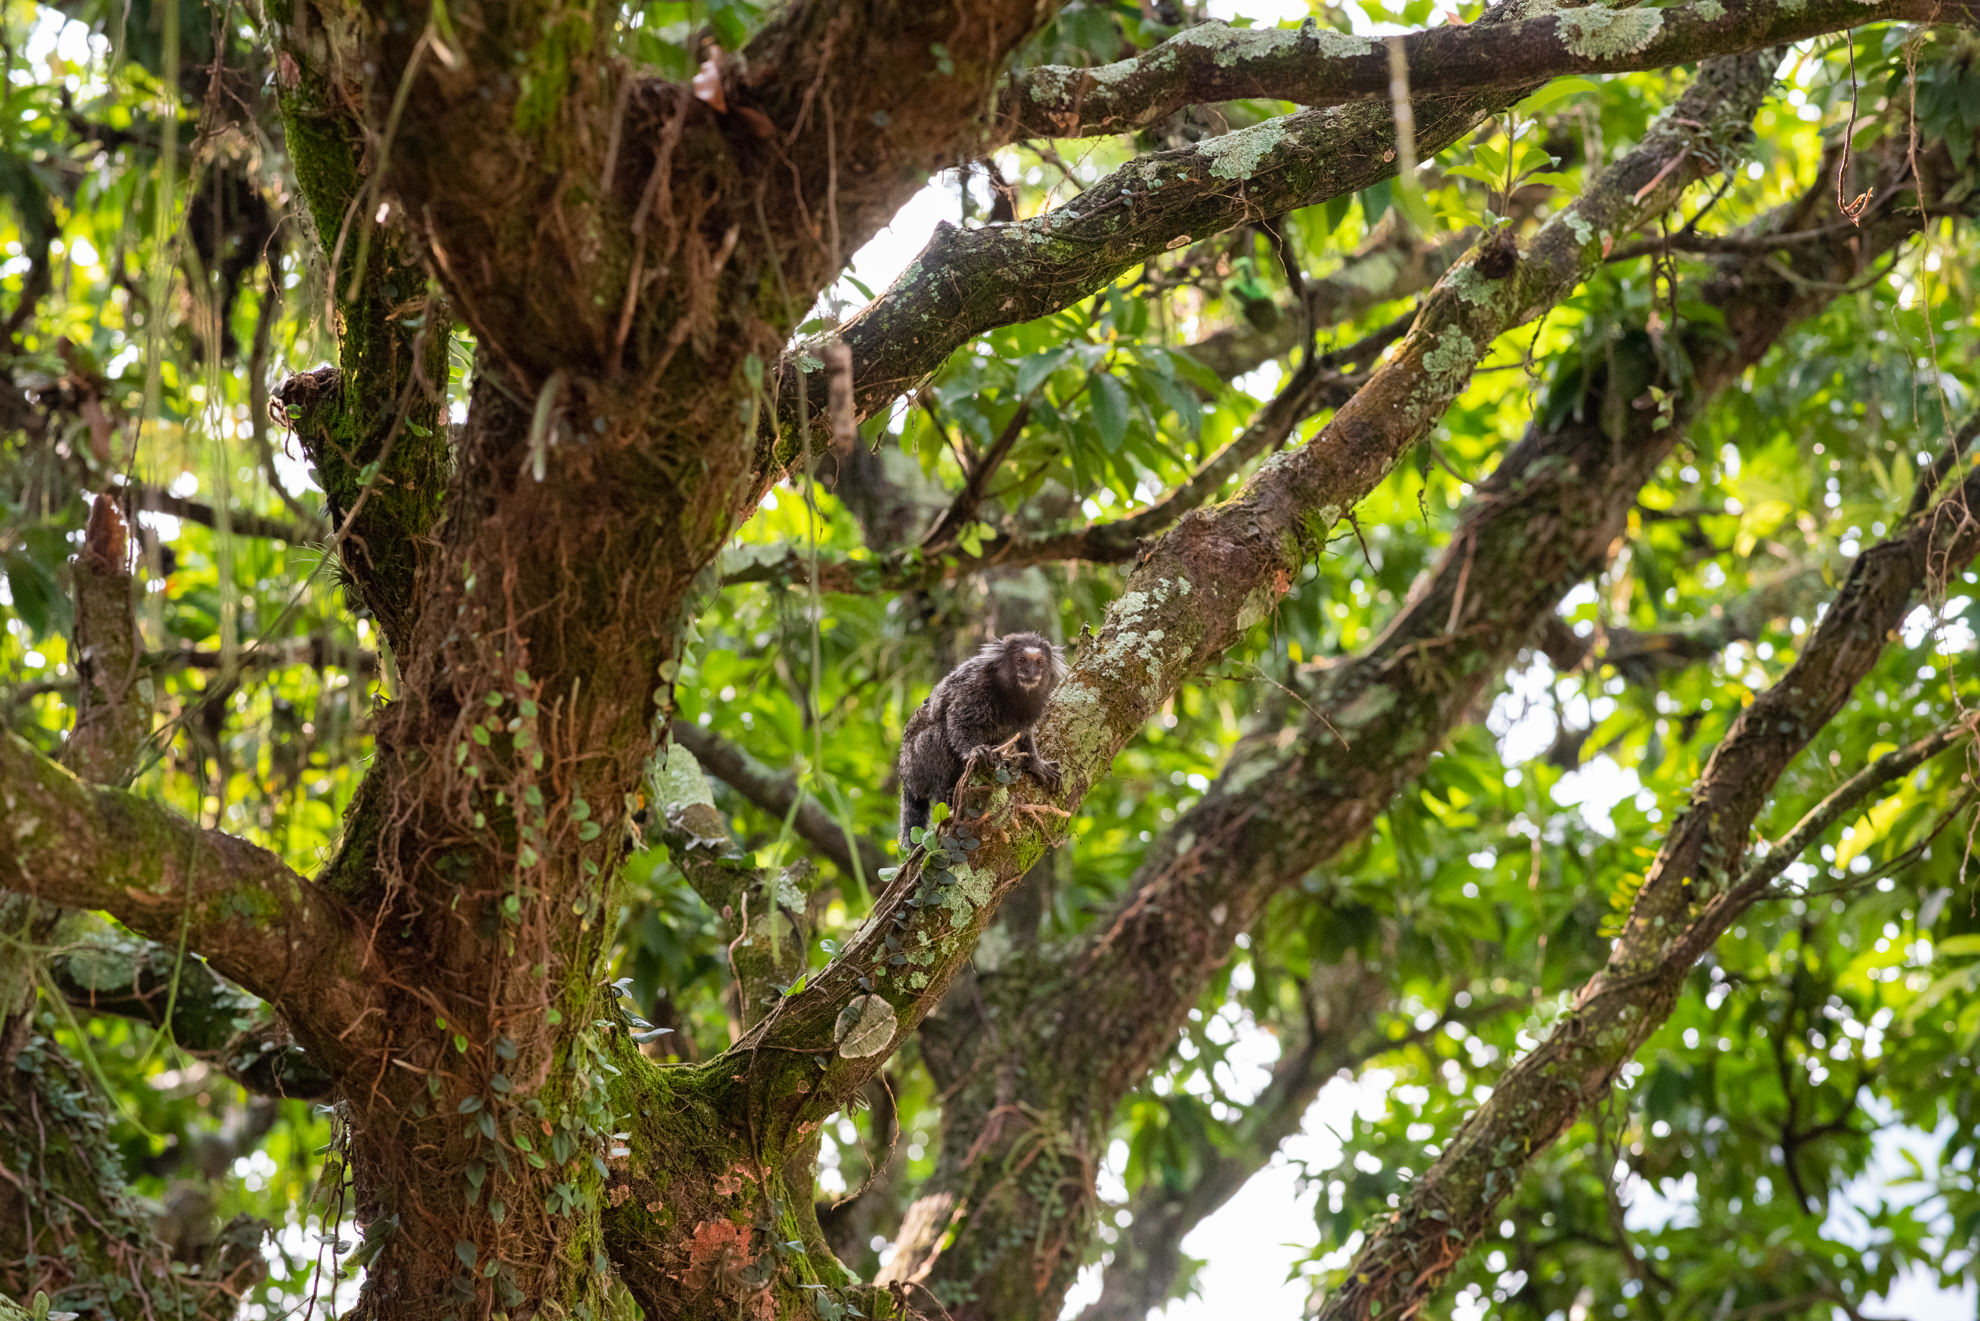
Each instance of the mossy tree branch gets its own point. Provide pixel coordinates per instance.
(778, 794)
(966, 282)
(105, 972)
(373, 426)
(71, 1226)
(1692, 893)
(240, 906)
(1319, 383)
(1544, 521)
(1318, 66)
(1202, 584)
(765, 915)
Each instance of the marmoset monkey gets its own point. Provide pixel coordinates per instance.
(994, 694)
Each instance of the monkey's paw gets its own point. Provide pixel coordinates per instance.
(1048, 774)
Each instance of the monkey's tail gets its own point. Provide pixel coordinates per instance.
(914, 815)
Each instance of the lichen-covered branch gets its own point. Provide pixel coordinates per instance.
(106, 972)
(1691, 894)
(1193, 594)
(1545, 520)
(1313, 65)
(968, 281)
(238, 905)
(1319, 383)
(778, 794)
(764, 914)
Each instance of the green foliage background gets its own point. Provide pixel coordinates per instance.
(149, 185)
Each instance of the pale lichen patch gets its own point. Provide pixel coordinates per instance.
(1606, 34)
(1368, 705)
(1453, 355)
(678, 781)
(1237, 155)
(972, 890)
(1471, 286)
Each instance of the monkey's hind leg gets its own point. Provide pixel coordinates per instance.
(914, 815)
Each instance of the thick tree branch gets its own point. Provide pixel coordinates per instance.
(968, 281)
(1317, 66)
(764, 914)
(1544, 521)
(239, 906)
(109, 973)
(776, 793)
(1693, 892)
(1196, 591)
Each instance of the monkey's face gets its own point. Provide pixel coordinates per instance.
(1030, 665)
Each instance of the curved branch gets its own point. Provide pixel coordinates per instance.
(107, 973)
(1315, 66)
(1317, 385)
(1545, 520)
(259, 923)
(968, 281)
(1194, 594)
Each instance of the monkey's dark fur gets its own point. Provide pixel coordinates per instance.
(993, 695)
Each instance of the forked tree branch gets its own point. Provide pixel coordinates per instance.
(1545, 520)
(967, 282)
(109, 973)
(1316, 385)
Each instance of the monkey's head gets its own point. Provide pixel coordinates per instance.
(1030, 663)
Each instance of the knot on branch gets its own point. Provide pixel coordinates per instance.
(298, 400)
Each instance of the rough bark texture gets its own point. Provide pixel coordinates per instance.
(531, 572)
(69, 1227)
(1317, 66)
(1547, 519)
